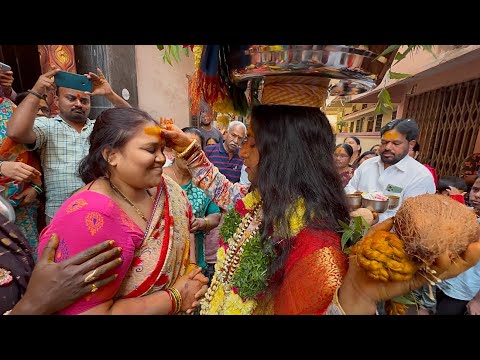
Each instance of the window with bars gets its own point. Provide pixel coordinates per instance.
(370, 124)
(449, 122)
(378, 122)
(359, 126)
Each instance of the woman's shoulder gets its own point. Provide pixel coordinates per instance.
(315, 239)
(173, 189)
(318, 245)
(88, 200)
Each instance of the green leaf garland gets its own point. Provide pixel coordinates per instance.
(251, 276)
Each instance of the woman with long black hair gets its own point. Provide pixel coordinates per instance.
(281, 236)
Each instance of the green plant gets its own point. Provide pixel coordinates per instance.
(352, 232)
(173, 51)
(384, 103)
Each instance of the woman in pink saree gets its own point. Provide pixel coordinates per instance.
(127, 199)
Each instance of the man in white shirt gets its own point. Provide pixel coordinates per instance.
(394, 172)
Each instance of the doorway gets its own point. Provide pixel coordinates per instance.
(25, 63)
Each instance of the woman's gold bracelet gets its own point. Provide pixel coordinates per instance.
(187, 150)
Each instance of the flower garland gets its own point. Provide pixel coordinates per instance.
(241, 271)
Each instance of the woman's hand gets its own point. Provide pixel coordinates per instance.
(359, 293)
(54, 286)
(27, 196)
(192, 288)
(19, 171)
(198, 224)
(6, 82)
(175, 138)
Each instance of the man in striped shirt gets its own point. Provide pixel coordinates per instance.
(225, 154)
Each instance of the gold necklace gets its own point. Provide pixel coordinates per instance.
(128, 201)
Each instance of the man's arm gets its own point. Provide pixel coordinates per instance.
(20, 125)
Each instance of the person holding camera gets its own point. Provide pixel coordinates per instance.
(62, 141)
(6, 81)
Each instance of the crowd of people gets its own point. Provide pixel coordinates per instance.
(244, 222)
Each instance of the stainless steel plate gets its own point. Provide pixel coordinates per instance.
(350, 64)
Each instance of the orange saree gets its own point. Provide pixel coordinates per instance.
(312, 273)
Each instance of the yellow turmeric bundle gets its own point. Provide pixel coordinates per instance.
(395, 308)
(383, 256)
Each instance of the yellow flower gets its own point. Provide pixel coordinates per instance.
(295, 217)
(251, 200)
(234, 305)
(224, 105)
(223, 119)
(197, 51)
(220, 258)
(217, 301)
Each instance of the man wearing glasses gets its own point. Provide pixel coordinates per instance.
(394, 172)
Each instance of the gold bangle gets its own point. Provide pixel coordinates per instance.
(198, 156)
(207, 224)
(177, 297)
(185, 152)
(192, 151)
(173, 302)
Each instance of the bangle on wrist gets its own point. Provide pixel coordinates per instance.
(1, 163)
(189, 150)
(37, 188)
(175, 299)
(33, 92)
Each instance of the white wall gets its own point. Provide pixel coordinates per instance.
(162, 88)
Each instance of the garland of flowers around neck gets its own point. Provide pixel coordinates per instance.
(241, 271)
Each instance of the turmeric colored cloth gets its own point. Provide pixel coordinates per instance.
(312, 273)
